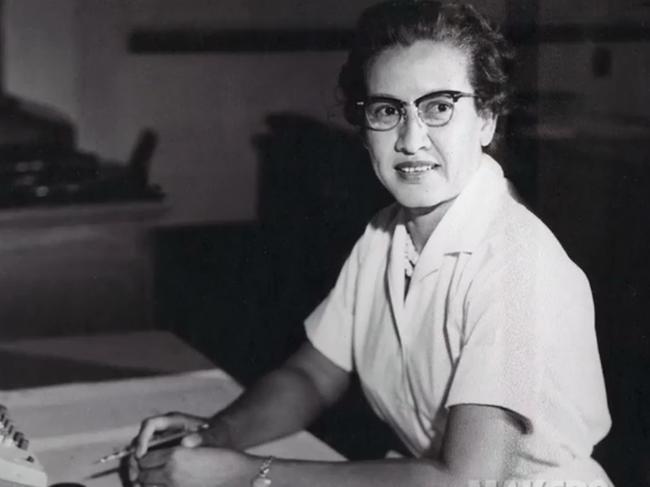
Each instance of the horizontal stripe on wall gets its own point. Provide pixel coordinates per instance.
(179, 41)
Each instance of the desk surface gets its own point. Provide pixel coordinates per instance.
(72, 425)
(56, 360)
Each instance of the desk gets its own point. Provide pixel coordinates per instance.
(71, 425)
(90, 358)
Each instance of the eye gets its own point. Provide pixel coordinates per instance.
(439, 105)
(436, 109)
(383, 110)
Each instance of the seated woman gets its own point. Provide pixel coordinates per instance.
(470, 329)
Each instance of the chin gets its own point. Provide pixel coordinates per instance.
(423, 202)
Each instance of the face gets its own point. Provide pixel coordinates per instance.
(424, 166)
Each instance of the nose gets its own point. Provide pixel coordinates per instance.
(413, 134)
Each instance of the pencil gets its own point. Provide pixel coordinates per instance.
(161, 440)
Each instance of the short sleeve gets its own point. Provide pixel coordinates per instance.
(329, 327)
(504, 338)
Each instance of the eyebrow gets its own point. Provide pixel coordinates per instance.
(448, 92)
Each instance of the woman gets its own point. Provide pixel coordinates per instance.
(470, 329)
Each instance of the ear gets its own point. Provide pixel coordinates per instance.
(488, 127)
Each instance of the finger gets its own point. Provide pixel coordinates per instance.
(192, 441)
(154, 459)
(149, 427)
(133, 475)
(133, 469)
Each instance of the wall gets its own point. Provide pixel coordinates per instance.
(41, 57)
(206, 108)
(616, 97)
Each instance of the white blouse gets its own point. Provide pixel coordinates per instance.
(496, 314)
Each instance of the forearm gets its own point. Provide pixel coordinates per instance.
(389, 473)
(480, 444)
(280, 403)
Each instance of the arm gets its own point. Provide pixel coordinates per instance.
(284, 401)
(478, 445)
(280, 403)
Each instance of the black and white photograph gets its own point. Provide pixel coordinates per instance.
(309, 243)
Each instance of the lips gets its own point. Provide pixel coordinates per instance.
(415, 167)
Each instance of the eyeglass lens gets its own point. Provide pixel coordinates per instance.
(386, 114)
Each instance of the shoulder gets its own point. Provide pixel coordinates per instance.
(515, 231)
(379, 230)
(521, 249)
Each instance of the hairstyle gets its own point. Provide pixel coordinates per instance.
(403, 22)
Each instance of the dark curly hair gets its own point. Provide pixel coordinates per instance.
(403, 22)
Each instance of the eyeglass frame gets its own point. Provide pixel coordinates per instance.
(454, 95)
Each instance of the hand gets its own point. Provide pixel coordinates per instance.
(215, 435)
(195, 467)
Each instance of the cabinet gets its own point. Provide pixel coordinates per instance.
(76, 269)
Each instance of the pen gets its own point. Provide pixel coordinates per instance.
(154, 442)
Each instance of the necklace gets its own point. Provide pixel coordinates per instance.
(411, 255)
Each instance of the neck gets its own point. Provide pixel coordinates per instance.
(421, 222)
